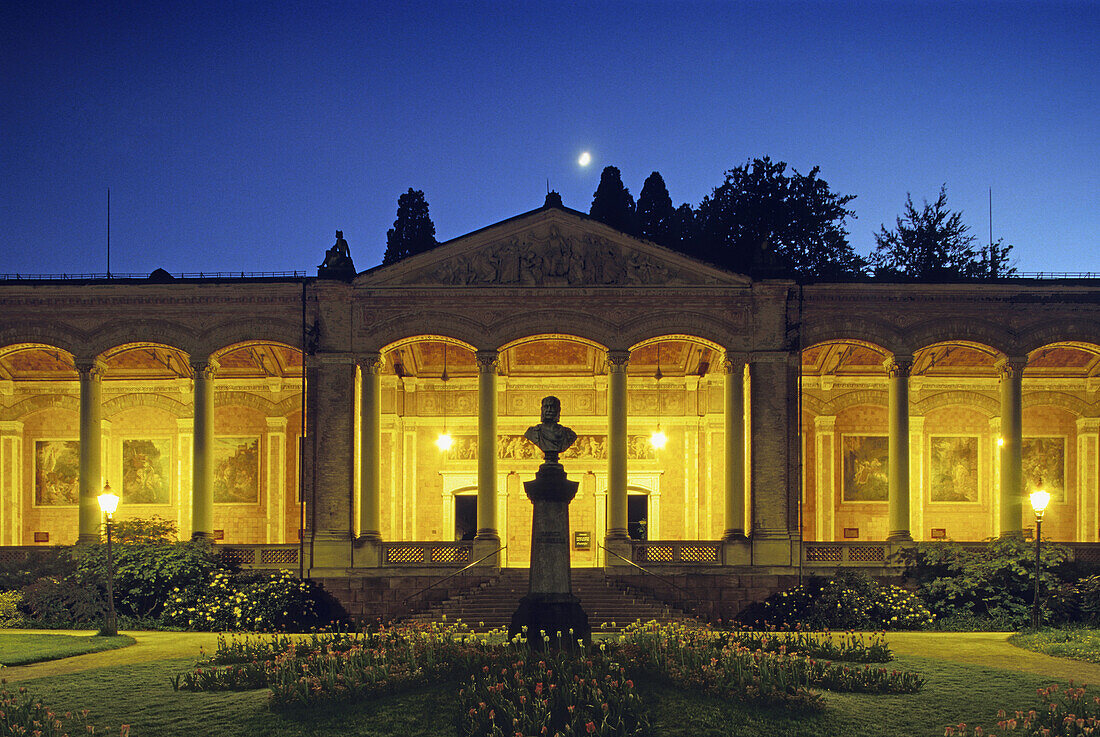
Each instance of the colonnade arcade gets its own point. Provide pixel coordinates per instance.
(417, 389)
(207, 440)
(923, 444)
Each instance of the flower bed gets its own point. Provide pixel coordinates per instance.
(850, 646)
(555, 694)
(698, 658)
(1060, 712)
(22, 713)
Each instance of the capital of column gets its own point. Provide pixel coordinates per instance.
(898, 366)
(1012, 367)
(90, 368)
(617, 361)
(205, 369)
(371, 363)
(734, 361)
(488, 361)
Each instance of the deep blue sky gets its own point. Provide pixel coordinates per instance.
(240, 136)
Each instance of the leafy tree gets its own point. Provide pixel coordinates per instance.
(656, 216)
(413, 231)
(612, 202)
(934, 243)
(761, 217)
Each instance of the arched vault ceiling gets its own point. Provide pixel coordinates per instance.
(33, 362)
(549, 357)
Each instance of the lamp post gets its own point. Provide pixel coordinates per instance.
(1039, 500)
(108, 502)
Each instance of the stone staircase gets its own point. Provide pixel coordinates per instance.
(491, 605)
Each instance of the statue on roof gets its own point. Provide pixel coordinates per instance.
(337, 263)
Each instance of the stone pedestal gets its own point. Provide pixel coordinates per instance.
(550, 606)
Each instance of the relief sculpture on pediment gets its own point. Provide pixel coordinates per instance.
(557, 260)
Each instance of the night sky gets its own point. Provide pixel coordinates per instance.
(240, 136)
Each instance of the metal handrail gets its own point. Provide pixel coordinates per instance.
(448, 578)
(643, 570)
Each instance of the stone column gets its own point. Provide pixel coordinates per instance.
(1012, 428)
(734, 417)
(897, 370)
(616, 445)
(91, 448)
(330, 480)
(370, 452)
(202, 457)
(488, 362)
(11, 482)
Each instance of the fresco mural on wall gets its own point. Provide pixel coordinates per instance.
(145, 465)
(1045, 466)
(56, 472)
(866, 469)
(954, 468)
(237, 470)
(519, 448)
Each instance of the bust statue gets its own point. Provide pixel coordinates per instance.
(551, 437)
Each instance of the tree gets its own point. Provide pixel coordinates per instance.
(763, 218)
(656, 216)
(934, 243)
(413, 231)
(612, 202)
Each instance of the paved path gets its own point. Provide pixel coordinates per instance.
(976, 648)
(991, 649)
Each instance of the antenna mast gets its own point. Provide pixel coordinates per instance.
(108, 232)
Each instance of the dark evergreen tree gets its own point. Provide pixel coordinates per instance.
(656, 216)
(762, 218)
(934, 243)
(684, 237)
(612, 202)
(413, 231)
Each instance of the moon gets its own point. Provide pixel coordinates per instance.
(585, 159)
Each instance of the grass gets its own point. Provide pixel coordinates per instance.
(1078, 643)
(24, 649)
(954, 693)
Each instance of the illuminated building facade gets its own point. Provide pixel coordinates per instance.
(816, 421)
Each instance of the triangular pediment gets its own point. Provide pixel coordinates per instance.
(549, 247)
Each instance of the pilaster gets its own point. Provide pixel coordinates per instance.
(11, 482)
(916, 477)
(330, 483)
(773, 387)
(1088, 479)
(825, 453)
(276, 480)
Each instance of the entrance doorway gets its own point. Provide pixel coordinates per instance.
(637, 516)
(465, 516)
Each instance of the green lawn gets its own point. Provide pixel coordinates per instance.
(23, 649)
(954, 693)
(1077, 643)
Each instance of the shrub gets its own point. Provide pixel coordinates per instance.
(60, 601)
(148, 565)
(251, 600)
(849, 600)
(9, 608)
(992, 581)
(27, 566)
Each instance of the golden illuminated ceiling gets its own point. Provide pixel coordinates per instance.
(148, 361)
(956, 359)
(548, 357)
